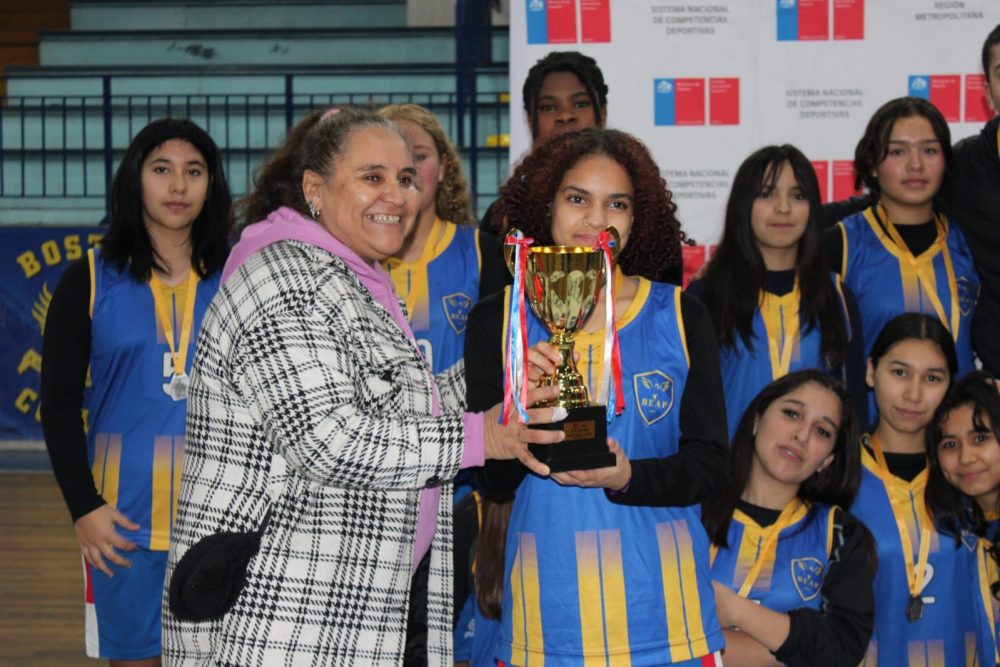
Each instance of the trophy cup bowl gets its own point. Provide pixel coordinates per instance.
(562, 285)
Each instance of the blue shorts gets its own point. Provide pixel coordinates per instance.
(124, 612)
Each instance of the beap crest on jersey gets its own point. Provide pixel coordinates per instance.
(456, 309)
(807, 575)
(654, 395)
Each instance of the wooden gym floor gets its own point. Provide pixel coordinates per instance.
(41, 577)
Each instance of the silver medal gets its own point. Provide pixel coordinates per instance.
(178, 387)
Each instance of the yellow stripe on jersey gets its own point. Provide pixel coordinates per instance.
(615, 608)
(479, 251)
(410, 278)
(916, 655)
(935, 653)
(167, 457)
(971, 654)
(93, 280)
(517, 605)
(911, 287)
(680, 325)
(692, 600)
(680, 592)
(749, 550)
(844, 255)
(107, 465)
(829, 530)
(588, 573)
(526, 616)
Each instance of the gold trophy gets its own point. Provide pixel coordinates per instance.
(562, 284)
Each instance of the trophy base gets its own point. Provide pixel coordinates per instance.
(586, 443)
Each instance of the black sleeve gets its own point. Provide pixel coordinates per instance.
(65, 357)
(484, 385)
(466, 530)
(855, 364)
(697, 288)
(493, 272)
(838, 635)
(836, 211)
(700, 468)
(833, 247)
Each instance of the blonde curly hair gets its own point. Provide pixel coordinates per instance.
(453, 200)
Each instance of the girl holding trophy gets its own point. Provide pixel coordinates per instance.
(597, 573)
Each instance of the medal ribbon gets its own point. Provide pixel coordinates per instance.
(925, 279)
(178, 355)
(770, 544)
(775, 316)
(914, 574)
(515, 390)
(611, 393)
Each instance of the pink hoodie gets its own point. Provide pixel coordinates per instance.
(286, 224)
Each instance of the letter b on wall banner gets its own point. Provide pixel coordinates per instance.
(32, 260)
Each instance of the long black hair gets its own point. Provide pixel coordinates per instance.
(952, 512)
(127, 242)
(586, 70)
(736, 275)
(836, 484)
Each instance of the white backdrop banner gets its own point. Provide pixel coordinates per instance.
(705, 82)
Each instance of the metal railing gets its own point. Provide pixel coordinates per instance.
(70, 145)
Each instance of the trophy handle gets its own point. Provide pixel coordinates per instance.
(508, 250)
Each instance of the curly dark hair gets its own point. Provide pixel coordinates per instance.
(654, 247)
(586, 70)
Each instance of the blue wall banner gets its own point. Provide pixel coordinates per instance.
(31, 261)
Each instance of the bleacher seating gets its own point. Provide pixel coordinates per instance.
(243, 69)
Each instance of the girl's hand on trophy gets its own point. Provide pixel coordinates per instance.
(614, 478)
(511, 441)
(542, 360)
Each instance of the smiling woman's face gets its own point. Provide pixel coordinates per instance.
(369, 202)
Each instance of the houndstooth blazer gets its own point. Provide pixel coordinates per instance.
(307, 396)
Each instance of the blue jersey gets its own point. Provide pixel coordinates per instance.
(775, 325)
(946, 633)
(439, 290)
(887, 280)
(987, 607)
(136, 438)
(792, 573)
(590, 580)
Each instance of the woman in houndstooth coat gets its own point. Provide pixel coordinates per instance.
(310, 398)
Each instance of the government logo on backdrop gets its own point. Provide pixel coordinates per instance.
(809, 20)
(683, 101)
(836, 173)
(555, 21)
(945, 91)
